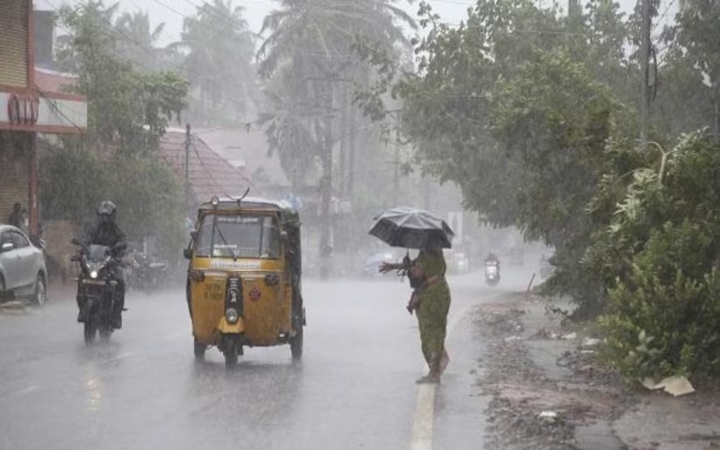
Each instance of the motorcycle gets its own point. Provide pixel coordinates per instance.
(145, 273)
(97, 285)
(492, 273)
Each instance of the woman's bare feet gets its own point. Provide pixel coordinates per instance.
(430, 378)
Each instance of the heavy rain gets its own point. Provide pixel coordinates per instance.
(346, 224)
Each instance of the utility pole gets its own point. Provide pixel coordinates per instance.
(351, 155)
(645, 61)
(187, 164)
(342, 163)
(396, 174)
(326, 185)
(574, 9)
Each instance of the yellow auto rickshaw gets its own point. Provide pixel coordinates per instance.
(243, 286)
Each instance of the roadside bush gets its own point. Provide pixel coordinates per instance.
(73, 182)
(664, 318)
(659, 259)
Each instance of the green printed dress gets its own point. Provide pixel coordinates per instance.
(434, 306)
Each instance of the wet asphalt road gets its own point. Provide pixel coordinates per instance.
(353, 389)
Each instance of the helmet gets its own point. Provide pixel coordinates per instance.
(106, 211)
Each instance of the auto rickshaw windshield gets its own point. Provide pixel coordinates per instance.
(238, 236)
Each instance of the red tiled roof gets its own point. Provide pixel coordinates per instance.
(210, 174)
(250, 146)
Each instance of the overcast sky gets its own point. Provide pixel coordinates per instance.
(172, 12)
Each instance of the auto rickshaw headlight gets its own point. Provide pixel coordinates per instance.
(93, 274)
(231, 315)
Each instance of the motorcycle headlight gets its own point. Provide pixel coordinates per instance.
(93, 274)
(231, 315)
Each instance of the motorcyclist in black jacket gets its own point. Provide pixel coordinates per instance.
(106, 232)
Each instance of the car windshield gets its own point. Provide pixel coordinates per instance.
(238, 236)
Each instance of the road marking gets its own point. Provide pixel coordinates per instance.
(27, 390)
(20, 392)
(422, 434)
(177, 335)
(118, 357)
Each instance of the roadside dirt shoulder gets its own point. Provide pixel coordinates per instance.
(549, 391)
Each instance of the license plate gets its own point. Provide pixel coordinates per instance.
(95, 282)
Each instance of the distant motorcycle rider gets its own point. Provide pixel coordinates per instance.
(493, 259)
(107, 233)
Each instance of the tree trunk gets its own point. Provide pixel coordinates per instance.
(351, 154)
(343, 142)
(717, 115)
(427, 192)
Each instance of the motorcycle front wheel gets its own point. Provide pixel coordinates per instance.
(89, 332)
(105, 334)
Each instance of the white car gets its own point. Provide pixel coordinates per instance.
(22, 266)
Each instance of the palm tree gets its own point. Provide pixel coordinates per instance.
(328, 28)
(309, 54)
(137, 40)
(220, 49)
(96, 17)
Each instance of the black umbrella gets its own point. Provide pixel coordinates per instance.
(411, 228)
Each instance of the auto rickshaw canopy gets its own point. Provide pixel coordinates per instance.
(288, 216)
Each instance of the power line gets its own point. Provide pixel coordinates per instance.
(53, 104)
(204, 167)
(667, 10)
(538, 32)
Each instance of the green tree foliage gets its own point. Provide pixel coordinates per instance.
(123, 103)
(664, 311)
(517, 106)
(69, 180)
(137, 41)
(128, 111)
(220, 50)
(73, 182)
(309, 61)
(691, 73)
(533, 114)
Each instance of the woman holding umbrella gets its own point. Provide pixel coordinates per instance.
(431, 296)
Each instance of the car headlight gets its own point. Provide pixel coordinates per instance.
(93, 274)
(231, 315)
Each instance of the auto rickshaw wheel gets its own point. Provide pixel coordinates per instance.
(231, 358)
(296, 343)
(199, 349)
(231, 350)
